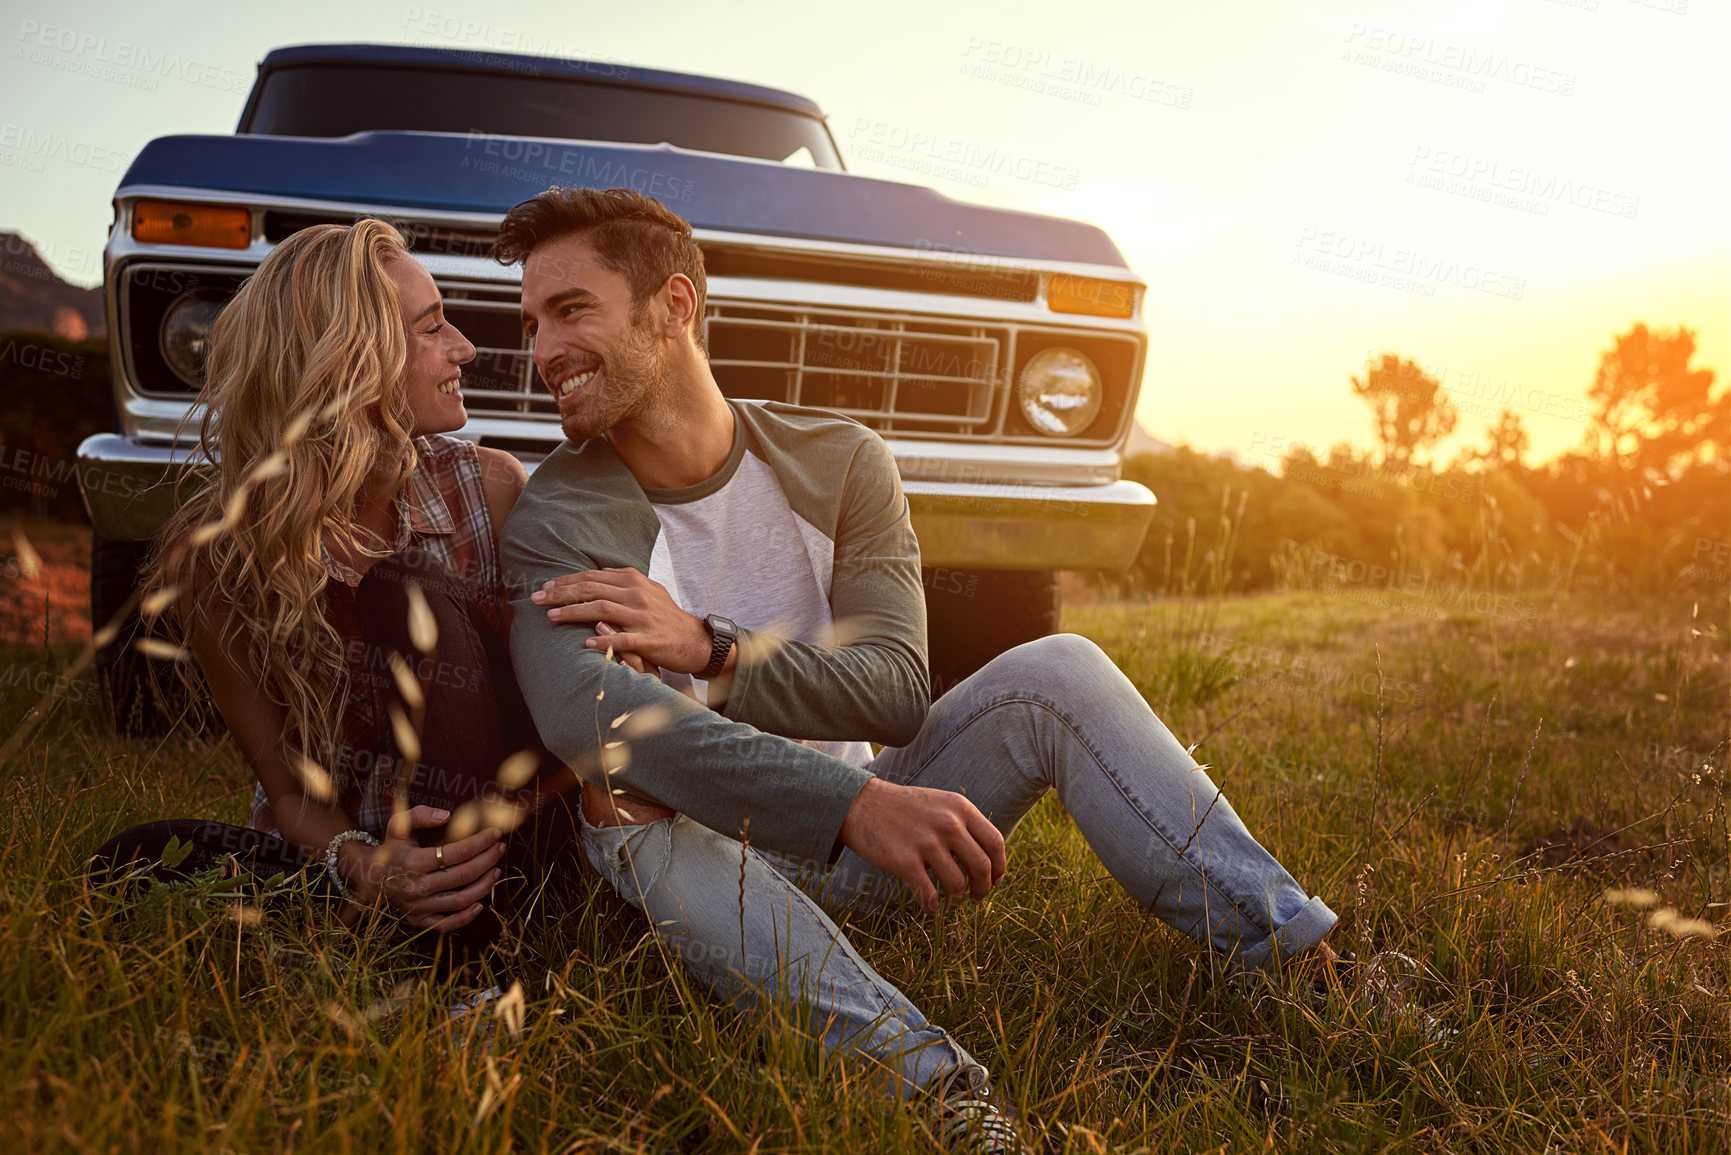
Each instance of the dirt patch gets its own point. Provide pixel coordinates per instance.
(1580, 847)
(52, 605)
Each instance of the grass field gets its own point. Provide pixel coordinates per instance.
(1461, 787)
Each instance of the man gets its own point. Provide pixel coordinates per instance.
(758, 562)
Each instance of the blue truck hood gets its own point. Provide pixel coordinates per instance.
(489, 174)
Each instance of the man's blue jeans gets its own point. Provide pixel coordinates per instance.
(1054, 714)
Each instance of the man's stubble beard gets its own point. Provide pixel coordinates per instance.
(631, 394)
(596, 419)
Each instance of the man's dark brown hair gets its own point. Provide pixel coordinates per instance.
(633, 235)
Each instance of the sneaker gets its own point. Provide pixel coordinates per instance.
(475, 1008)
(970, 1122)
(467, 1003)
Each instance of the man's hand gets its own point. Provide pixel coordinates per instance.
(648, 622)
(908, 830)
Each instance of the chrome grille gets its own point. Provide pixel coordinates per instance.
(502, 377)
(890, 371)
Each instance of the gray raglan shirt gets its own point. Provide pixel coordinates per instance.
(583, 509)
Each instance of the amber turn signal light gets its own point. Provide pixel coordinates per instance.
(208, 226)
(1067, 294)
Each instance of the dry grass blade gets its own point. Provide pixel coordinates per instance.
(157, 648)
(268, 466)
(315, 781)
(339, 1014)
(511, 1007)
(1672, 923)
(465, 820)
(483, 812)
(400, 997)
(496, 1091)
(642, 722)
(762, 646)
(515, 771)
(408, 742)
(423, 630)
(407, 686)
(29, 561)
(503, 816)
(296, 428)
(841, 632)
(156, 601)
(245, 914)
(57, 688)
(206, 533)
(233, 509)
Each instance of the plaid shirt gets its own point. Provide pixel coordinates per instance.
(443, 510)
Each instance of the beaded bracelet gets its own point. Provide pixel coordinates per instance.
(331, 859)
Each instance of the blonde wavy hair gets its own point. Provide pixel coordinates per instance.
(302, 400)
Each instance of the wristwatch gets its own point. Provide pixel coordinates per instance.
(722, 633)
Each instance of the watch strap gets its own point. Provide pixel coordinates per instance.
(722, 634)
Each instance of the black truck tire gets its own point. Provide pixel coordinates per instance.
(143, 696)
(973, 615)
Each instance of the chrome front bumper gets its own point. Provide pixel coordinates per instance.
(1029, 527)
(128, 486)
(129, 489)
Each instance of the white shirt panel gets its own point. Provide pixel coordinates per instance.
(743, 553)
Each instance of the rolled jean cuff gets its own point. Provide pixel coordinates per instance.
(1296, 935)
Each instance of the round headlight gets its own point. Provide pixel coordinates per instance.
(1059, 391)
(185, 339)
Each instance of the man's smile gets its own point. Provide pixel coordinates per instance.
(566, 387)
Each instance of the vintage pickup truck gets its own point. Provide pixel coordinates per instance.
(998, 353)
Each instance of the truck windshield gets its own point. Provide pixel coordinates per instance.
(338, 99)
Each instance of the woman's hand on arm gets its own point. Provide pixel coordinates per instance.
(625, 659)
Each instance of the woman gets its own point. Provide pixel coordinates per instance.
(336, 580)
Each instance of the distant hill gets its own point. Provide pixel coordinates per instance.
(32, 295)
(1142, 441)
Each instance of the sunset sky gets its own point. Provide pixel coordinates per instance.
(1492, 189)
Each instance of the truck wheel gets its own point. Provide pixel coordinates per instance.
(972, 616)
(143, 696)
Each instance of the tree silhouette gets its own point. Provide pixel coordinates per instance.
(1651, 410)
(1408, 406)
(1506, 443)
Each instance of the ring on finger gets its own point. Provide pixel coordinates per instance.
(439, 856)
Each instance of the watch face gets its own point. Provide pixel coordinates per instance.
(723, 633)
